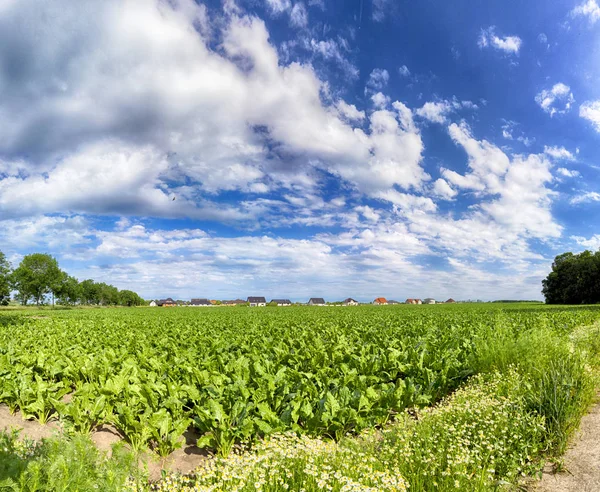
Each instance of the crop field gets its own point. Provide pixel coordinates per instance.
(240, 375)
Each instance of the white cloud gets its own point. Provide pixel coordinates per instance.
(568, 173)
(590, 110)
(279, 6)
(558, 99)
(592, 243)
(507, 44)
(590, 196)
(404, 71)
(335, 51)
(521, 200)
(442, 189)
(378, 79)
(299, 15)
(589, 9)
(380, 100)
(350, 111)
(559, 153)
(437, 111)
(181, 119)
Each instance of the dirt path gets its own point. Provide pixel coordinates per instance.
(581, 461)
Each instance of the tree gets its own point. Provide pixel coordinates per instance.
(130, 298)
(90, 292)
(5, 280)
(38, 274)
(574, 279)
(69, 290)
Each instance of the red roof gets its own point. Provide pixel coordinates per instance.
(380, 300)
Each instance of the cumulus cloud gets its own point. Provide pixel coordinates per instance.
(590, 110)
(557, 100)
(568, 173)
(507, 44)
(518, 184)
(442, 189)
(559, 153)
(589, 9)
(437, 111)
(173, 112)
(404, 71)
(592, 243)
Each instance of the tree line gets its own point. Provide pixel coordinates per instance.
(574, 279)
(39, 279)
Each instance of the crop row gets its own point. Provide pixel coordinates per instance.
(237, 375)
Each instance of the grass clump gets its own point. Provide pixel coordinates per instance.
(63, 464)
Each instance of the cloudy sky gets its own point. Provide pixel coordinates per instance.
(296, 148)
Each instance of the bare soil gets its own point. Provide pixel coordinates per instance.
(183, 460)
(581, 469)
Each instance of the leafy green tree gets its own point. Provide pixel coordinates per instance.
(108, 295)
(37, 275)
(574, 279)
(90, 292)
(69, 290)
(130, 298)
(5, 279)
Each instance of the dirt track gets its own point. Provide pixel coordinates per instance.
(581, 461)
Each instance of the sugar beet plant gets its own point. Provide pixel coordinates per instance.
(239, 374)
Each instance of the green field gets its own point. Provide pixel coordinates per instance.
(240, 375)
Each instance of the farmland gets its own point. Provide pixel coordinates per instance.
(320, 375)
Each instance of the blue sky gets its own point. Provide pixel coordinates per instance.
(306, 148)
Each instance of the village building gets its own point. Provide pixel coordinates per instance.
(316, 301)
(413, 301)
(281, 302)
(390, 302)
(350, 302)
(257, 301)
(429, 300)
(200, 303)
(451, 301)
(168, 302)
(152, 304)
(380, 301)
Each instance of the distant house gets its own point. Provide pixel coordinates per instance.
(281, 302)
(152, 303)
(316, 301)
(380, 301)
(257, 301)
(350, 302)
(429, 300)
(393, 302)
(200, 303)
(451, 301)
(413, 301)
(168, 302)
(235, 302)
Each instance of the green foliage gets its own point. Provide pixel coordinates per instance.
(575, 279)
(36, 276)
(63, 464)
(519, 378)
(5, 280)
